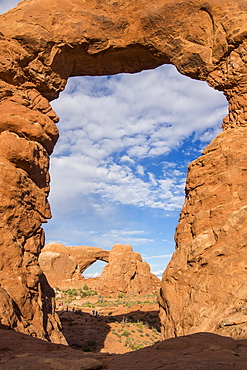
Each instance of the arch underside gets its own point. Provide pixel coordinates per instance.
(42, 44)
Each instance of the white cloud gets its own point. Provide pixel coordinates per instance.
(92, 275)
(125, 232)
(111, 126)
(158, 273)
(126, 158)
(160, 256)
(127, 236)
(140, 170)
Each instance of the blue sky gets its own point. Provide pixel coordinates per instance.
(118, 171)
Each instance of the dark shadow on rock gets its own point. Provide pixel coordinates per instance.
(86, 332)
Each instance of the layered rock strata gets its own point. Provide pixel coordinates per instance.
(44, 42)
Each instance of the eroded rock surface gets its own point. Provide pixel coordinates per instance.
(125, 271)
(204, 286)
(63, 266)
(44, 42)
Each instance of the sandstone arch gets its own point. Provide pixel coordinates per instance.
(63, 266)
(43, 43)
(125, 271)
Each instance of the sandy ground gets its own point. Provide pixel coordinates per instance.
(115, 329)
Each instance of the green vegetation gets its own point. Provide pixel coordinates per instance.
(134, 330)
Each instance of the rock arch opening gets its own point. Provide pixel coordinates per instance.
(119, 168)
(205, 42)
(94, 270)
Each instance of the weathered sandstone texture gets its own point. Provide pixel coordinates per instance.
(42, 43)
(63, 266)
(204, 286)
(125, 271)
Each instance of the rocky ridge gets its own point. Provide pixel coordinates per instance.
(125, 271)
(201, 350)
(43, 43)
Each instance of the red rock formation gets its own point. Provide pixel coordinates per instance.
(63, 266)
(204, 286)
(127, 273)
(44, 42)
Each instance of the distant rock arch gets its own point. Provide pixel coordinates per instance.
(125, 271)
(64, 266)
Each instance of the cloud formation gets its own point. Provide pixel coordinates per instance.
(117, 131)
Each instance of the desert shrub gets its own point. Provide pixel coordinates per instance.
(85, 287)
(139, 324)
(125, 333)
(100, 299)
(147, 335)
(135, 346)
(71, 292)
(120, 295)
(128, 342)
(86, 348)
(155, 331)
(140, 330)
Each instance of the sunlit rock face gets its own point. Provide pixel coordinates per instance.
(43, 43)
(63, 266)
(204, 286)
(125, 271)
